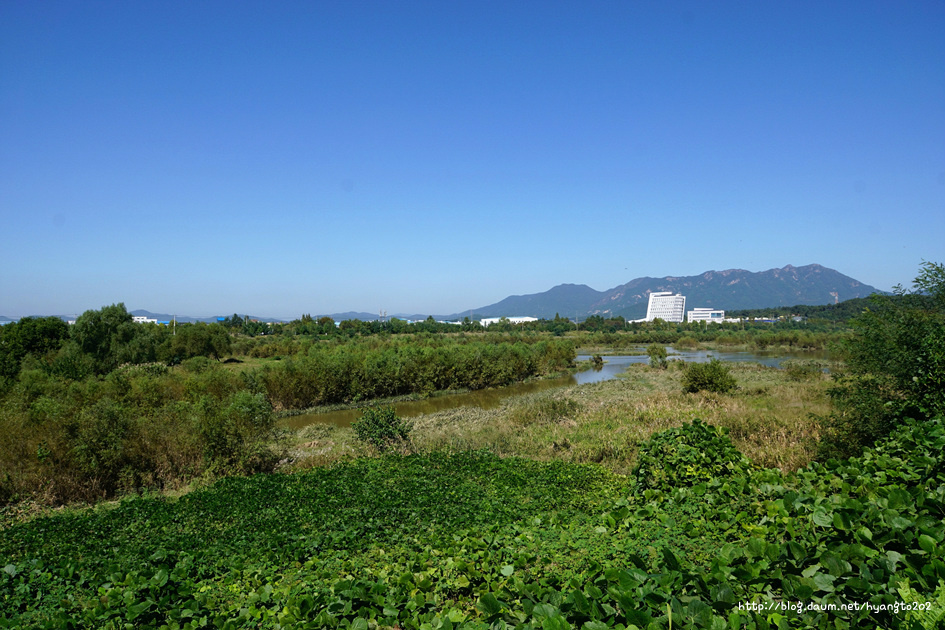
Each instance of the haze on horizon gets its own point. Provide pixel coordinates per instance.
(422, 157)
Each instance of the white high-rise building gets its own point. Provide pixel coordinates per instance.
(666, 306)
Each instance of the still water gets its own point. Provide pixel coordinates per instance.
(492, 398)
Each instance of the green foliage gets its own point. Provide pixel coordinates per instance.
(197, 365)
(381, 428)
(234, 433)
(101, 335)
(657, 353)
(37, 337)
(692, 454)
(895, 365)
(196, 340)
(379, 368)
(687, 342)
(98, 446)
(143, 425)
(393, 541)
(474, 541)
(713, 376)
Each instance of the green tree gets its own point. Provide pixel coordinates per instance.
(593, 323)
(894, 365)
(102, 334)
(196, 340)
(37, 336)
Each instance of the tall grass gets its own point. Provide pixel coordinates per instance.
(768, 417)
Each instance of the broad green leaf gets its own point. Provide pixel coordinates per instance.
(542, 611)
(822, 517)
(489, 605)
(927, 543)
(555, 623)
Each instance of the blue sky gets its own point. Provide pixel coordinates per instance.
(432, 157)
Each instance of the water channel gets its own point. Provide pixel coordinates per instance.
(492, 398)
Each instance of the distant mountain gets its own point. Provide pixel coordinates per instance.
(730, 289)
(567, 300)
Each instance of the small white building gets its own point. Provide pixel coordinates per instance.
(511, 320)
(666, 306)
(140, 319)
(706, 315)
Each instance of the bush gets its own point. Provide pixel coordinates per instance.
(234, 433)
(686, 456)
(713, 376)
(381, 428)
(657, 354)
(197, 365)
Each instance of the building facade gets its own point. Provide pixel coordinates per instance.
(706, 315)
(666, 306)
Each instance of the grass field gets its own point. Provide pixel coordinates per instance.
(768, 417)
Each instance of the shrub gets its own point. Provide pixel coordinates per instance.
(197, 365)
(686, 456)
(381, 428)
(657, 354)
(713, 376)
(234, 433)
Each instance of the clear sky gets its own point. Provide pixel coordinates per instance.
(280, 158)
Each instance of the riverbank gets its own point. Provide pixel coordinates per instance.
(768, 416)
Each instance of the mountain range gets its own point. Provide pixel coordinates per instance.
(732, 289)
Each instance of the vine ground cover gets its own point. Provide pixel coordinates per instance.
(471, 540)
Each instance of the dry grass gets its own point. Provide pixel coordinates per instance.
(768, 418)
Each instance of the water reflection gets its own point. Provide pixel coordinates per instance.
(492, 398)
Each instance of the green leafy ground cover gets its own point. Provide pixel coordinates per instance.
(471, 540)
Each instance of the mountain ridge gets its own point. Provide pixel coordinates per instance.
(729, 289)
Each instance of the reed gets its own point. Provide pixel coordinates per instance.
(769, 417)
